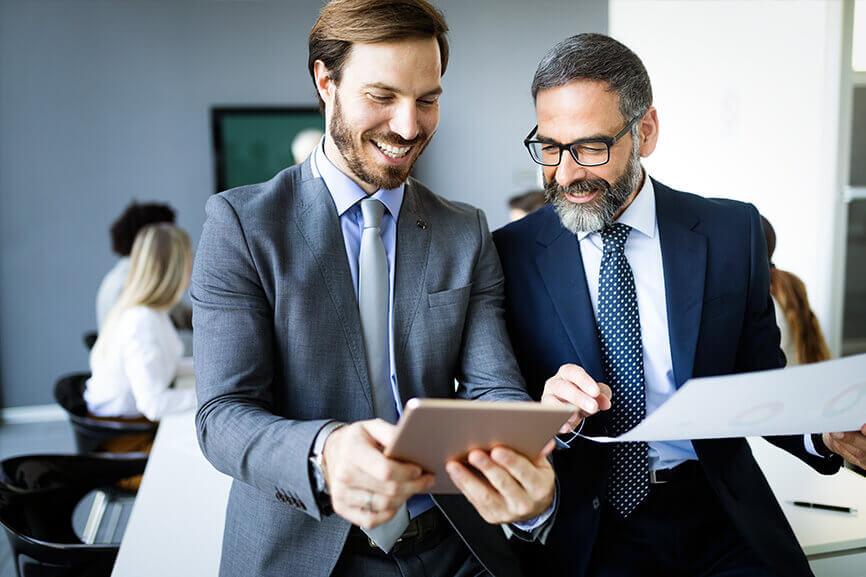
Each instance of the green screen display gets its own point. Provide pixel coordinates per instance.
(253, 144)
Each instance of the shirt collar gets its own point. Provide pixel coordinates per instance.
(640, 214)
(345, 191)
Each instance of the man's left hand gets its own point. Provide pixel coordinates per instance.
(511, 488)
(851, 446)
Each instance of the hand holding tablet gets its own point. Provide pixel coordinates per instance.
(435, 431)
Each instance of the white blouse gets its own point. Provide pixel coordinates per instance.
(131, 376)
(787, 342)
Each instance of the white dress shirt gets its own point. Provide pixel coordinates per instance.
(644, 254)
(110, 289)
(132, 372)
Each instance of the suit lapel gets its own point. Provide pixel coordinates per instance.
(410, 273)
(320, 226)
(561, 268)
(684, 258)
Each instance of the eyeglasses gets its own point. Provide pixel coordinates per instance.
(585, 152)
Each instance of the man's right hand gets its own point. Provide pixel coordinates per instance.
(572, 386)
(366, 487)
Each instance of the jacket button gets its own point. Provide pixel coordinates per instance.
(596, 503)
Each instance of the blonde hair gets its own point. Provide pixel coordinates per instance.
(159, 272)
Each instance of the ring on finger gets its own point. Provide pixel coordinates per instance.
(368, 506)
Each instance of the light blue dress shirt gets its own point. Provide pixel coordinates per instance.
(347, 196)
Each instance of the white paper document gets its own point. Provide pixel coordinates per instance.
(821, 397)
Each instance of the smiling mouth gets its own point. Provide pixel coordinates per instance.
(392, 151)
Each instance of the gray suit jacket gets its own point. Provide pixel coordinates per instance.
(279, 353)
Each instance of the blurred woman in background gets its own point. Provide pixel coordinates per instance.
(138, 353)
(802, 339)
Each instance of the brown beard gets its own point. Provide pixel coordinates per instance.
(385, 177)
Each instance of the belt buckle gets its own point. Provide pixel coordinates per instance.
(654, 479)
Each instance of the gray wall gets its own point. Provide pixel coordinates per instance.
(487, 110)
(105, 101)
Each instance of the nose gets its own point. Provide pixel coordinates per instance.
(568, 172)
(405, 120)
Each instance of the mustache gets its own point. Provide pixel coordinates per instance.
(394, 139)
(553, 190)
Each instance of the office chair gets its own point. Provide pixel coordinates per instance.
(38, 495)
(91, 434)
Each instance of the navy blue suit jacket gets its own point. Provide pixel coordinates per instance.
(721, 321)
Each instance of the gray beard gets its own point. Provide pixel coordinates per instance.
(599, 213)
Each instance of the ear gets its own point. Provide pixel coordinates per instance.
(325, 85)
(648, 132)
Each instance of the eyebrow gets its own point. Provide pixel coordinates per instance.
(435, 92)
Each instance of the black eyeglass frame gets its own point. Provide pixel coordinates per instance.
(608, 141)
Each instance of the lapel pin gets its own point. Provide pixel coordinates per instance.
(421, 224)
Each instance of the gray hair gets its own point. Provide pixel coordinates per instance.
(593, 56)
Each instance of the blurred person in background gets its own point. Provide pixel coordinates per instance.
(522, 204)
(123, 232)
(802, 339)
(305, 143)
(138, 353)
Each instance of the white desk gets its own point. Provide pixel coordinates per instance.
(176, 525)
(835, 543)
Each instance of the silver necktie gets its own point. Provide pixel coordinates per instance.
(373, 289)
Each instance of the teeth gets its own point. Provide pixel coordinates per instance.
(393, 151)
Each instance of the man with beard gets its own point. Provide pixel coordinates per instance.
(331, 294)
(618, 293)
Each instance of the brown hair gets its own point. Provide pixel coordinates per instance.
(527, 201)
(342, 23)
(790, 292)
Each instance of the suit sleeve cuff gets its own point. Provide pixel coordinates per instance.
(565, 440)
(815, 446)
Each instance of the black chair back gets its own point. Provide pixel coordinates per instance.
(38, 495)
(91, 434)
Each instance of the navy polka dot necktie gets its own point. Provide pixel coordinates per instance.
(622, 352)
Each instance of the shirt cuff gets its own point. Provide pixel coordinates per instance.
(537, 528)
(565, 440)
(810, 445)
(815, 446)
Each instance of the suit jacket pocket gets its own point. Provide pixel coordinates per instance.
(449, 296)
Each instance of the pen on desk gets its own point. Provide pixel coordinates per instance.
(823, 507)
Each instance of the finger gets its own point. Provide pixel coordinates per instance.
(382, 431)
(574, 395)
(605, 398)
(572, 421)
(367, 501)
(839, 447)
(578, 376)
(396, 490)
(863, 429)
(532, 476)
(498, 477)
(361, 518)
(370, 459)
(548, 449)
(481, 495)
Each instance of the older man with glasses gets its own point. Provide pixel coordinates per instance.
(616, 294)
